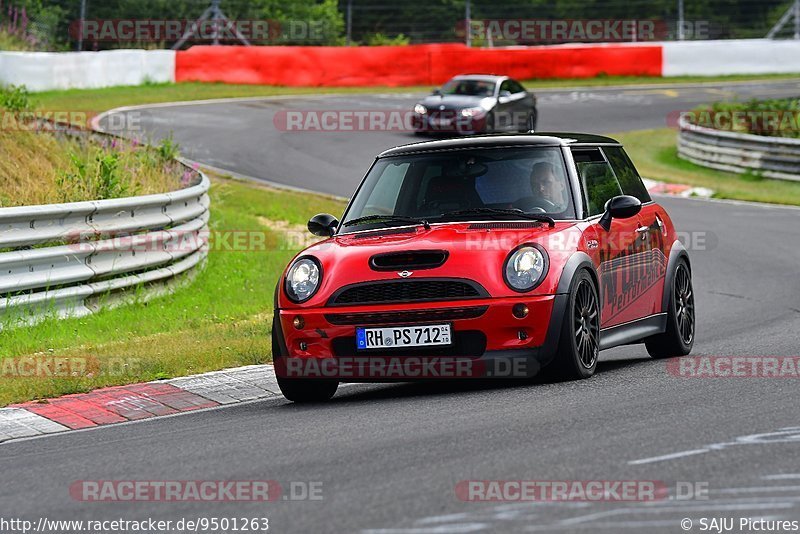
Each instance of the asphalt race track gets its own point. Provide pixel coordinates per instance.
(389, 457)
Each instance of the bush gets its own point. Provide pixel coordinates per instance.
(15, 98)
(379, 39)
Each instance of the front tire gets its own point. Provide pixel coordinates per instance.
(579, 344)
(489, 127)
(678, 338)
(299, 390)
(302, 390)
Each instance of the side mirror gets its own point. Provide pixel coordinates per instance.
(505, 93)
(323, 225)
(620, 207)
(437, 92)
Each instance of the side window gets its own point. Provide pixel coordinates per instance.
(383, 198)
(506, 86)
(626, 173)
(598, 180)
(516, 87)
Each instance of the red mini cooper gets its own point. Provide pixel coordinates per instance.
(490, 256)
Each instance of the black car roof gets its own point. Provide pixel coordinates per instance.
(490, 141)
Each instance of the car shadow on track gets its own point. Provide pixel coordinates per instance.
(388, 391)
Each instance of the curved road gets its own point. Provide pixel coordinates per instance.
(389, 456)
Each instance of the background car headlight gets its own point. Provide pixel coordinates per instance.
(525, 267)
(473, 112)
(419, 109)
(303, 279)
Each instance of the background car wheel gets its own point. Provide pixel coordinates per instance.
(678, 339)
(489, 127)
(530, 123)
(298, 389)
(579, 344)
(307, 390)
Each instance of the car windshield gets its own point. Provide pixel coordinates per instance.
(468, 88)
(480, 183)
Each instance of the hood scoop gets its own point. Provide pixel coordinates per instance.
(409, 259)
(510, 225)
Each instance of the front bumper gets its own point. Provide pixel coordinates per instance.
(437, 123)
(488, 340)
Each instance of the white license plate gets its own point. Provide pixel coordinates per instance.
(440, 122)
(403, 336)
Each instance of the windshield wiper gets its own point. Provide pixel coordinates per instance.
(388, 218)
(497, 211)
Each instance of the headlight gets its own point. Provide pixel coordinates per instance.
(303, 279)
(419, 109)
(525, 267)
(472, 112)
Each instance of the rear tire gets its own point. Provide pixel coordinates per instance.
(678, 338)
(579, 343)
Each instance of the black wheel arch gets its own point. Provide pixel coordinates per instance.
(677, 252)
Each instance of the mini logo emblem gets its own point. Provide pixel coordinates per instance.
(441, 108)
(592, 244)
(405, 274)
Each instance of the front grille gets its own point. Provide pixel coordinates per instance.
(427, 290)
(412, 259)
(413, 316)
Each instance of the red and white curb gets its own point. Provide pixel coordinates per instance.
(679, 190)
(136, 402)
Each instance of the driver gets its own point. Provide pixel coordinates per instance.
(546, 186)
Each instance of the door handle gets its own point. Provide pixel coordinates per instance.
(643, 231)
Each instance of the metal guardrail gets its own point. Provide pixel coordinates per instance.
(61, 257)
(770, 157)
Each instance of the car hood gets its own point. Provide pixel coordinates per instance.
(435, 102)
(475, 251)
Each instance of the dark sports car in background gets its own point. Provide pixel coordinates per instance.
(477, 103)
(486, 254)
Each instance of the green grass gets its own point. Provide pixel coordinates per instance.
(222, 319)
(98, 100)
(656, 156)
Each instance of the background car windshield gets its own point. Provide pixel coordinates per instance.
(431, 186)
(469, 88)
